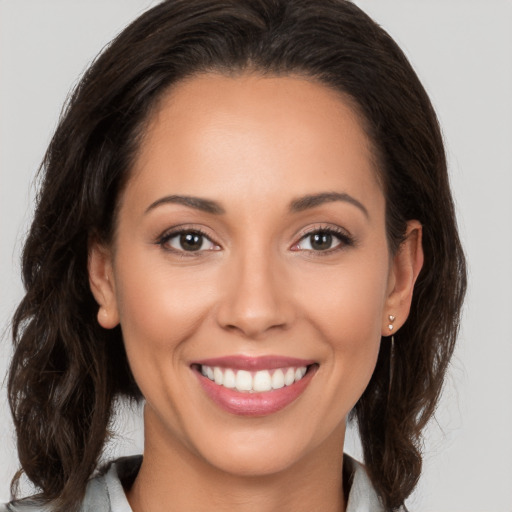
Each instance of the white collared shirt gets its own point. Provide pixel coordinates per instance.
(105, 493)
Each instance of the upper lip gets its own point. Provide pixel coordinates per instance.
(241, 362)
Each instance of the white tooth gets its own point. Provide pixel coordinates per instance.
(300, 372)
(262, 381)
(217, 376)
(203, 370)
(229, 379)
(243, 380)
(278, 379)
(289, 376)
(209, 372)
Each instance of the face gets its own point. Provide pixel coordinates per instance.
(250, 272)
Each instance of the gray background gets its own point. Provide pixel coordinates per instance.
(462, 50)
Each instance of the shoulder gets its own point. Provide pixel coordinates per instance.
(25, 505)
(104, 492)
(362, 495)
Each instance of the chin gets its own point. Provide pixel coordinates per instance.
(256, 462)
(263, 451)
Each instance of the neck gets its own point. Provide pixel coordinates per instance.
(174, 479)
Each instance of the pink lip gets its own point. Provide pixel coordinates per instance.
(254, 404)
(251, 363)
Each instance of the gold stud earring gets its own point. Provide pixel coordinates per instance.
(391, 319)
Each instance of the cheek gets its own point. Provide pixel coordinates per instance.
(347, 303)
(346, 307)
(160, 309)
(160, 306)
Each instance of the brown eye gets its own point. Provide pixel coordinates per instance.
(321, 241)
(188, 241)
(191, 241)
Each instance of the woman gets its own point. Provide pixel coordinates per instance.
(244, 220)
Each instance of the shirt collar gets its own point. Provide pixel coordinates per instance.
(362, 495)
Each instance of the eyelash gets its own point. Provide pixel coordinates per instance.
(169, 235)
(343, 237)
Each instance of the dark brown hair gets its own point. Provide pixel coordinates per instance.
(67, 371)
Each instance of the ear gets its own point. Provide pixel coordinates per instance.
(101, 281)
(405, 268)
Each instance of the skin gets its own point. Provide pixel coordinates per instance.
(253, 145)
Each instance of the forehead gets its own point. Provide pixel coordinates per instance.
(255, 133)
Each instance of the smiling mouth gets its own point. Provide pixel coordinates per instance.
(260, 381)
(254, 386)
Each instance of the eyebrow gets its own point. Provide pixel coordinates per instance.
(205, 205)
(297, 205)
(314, 200)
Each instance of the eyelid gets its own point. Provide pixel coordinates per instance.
(345, 238)
(175, 231)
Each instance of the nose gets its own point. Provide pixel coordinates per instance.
(255, 299)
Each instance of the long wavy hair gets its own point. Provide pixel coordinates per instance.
(67, 371)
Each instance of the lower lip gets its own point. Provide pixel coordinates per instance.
(255, 404)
